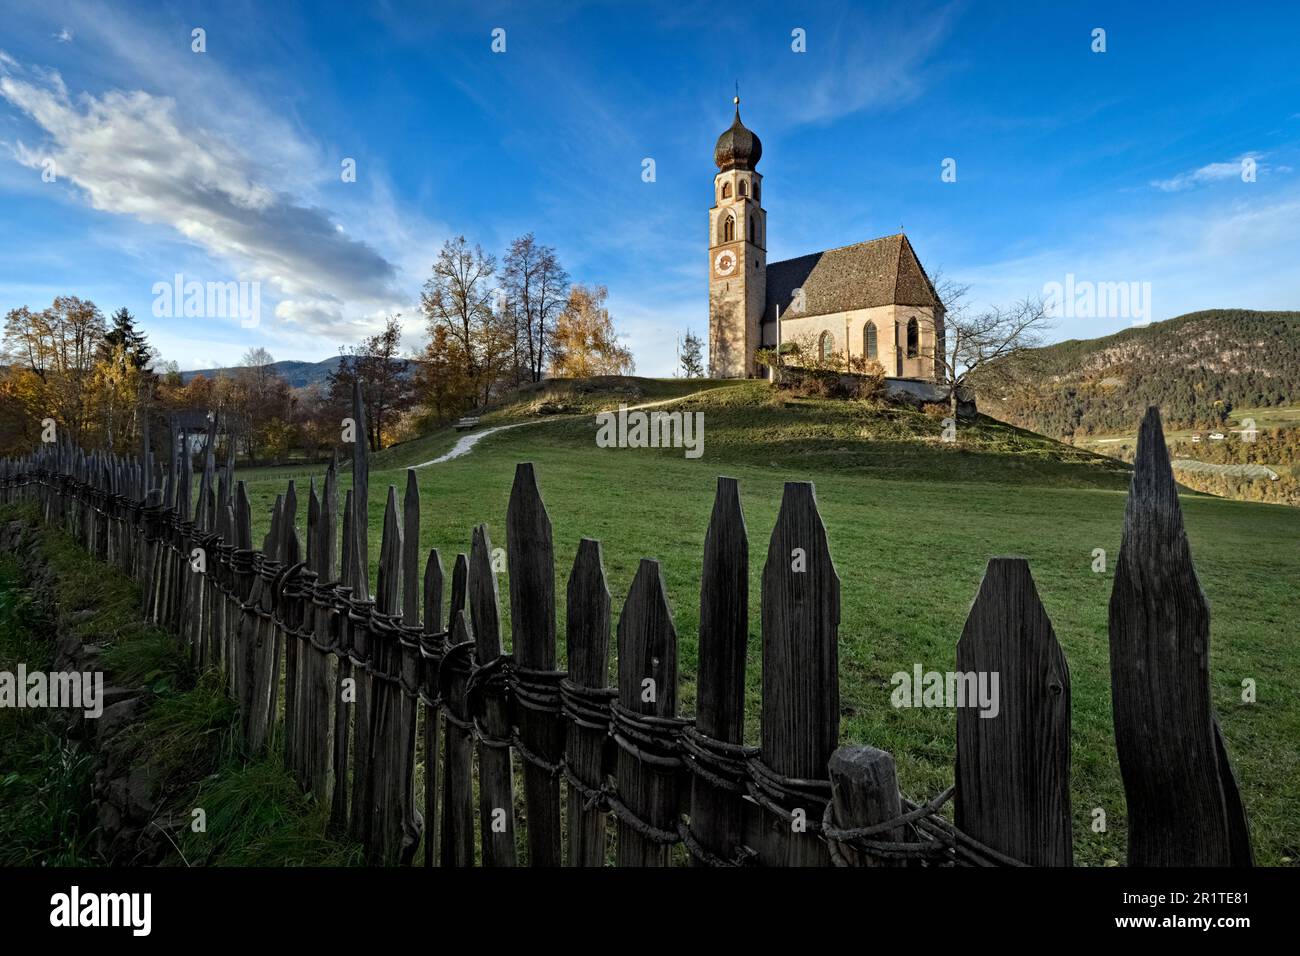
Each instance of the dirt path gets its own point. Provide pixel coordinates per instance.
(466, 443)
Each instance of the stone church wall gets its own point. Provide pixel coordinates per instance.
(891, 336)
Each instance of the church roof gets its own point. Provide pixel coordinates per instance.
(881, 271)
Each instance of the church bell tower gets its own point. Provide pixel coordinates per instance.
(737, 254)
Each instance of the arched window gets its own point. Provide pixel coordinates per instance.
(751, 230)
(741, 190)
(756, 192)
(870, 348)
(728, 228)
(726, 190)
(825, 346)
(913, 339)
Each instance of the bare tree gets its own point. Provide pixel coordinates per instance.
(385, 380)
(537, 286)
(983, 342)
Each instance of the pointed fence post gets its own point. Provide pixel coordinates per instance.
(410, 668)
(531, 557)
(587, 698)
(1013, 723)
(432, 644)
(321, 678)
(644, 722)
(383, 787)
(715, 745)
(801, 685)
(1184, 808)
(458, 786)
(345, 688)
(486, 697)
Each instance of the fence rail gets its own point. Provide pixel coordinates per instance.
(364, 693)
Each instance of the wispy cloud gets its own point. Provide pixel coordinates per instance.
(64, 35)
(880, 67)
(1239, 168)
(135, 154)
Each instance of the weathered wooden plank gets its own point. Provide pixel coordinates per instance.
(345, 688)
(411, 550)
(384, 783)
(322, 681)
(647, 685)
(458, 791)
(433, 625)
(586, 749)
(290, 553)
(243, 576)
(801, 693)
(864, 792)
(1183, 805)
(360, 495)
(1013, 722)
(531, 557)
(496, 779)
(718, 813)
(410, 666)
(302, 727)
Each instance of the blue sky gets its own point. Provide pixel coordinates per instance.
(1122, 166)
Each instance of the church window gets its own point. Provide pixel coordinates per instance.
(869, 345)
(741, 191)
(729, 229)
(751, 230)
(825, 346)
(726, 190)
(913, 339)
(755, 192)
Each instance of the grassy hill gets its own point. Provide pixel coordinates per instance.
(911, 521)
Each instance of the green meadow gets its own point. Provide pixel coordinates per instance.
(911, 520)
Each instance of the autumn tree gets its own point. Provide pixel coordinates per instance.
(585, 341)
(59, 345)
(536, 290)
(254, 401)
(385, 380)
(458, 298)
(442, 383)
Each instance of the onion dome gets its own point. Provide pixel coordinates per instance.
(738, 147)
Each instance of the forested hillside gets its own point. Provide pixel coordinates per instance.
(1197, 368)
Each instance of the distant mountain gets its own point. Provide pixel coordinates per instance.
(297, 374)
(1197, 367)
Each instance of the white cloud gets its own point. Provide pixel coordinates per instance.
(1215, 172)
(64, 35)
(1207, 254)
(135, 154)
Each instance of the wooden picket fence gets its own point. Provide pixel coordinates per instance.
(363, 693)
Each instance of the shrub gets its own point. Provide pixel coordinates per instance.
(871, 386)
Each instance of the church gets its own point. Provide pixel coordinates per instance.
(870, 300)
